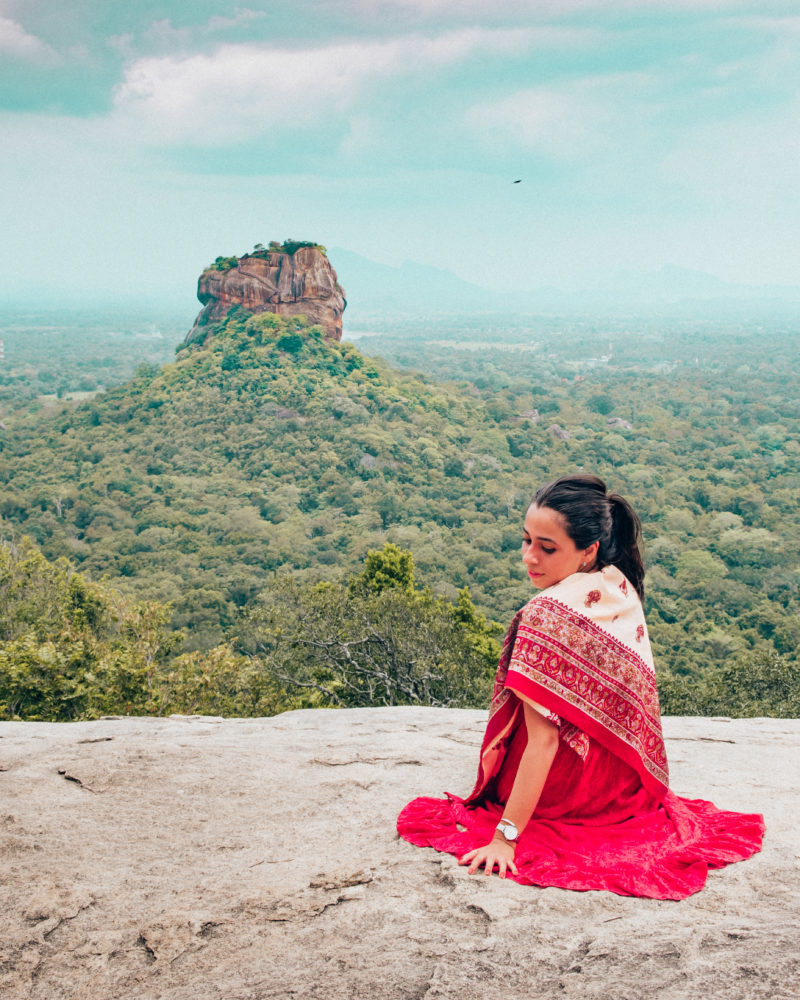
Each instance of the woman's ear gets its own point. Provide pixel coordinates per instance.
(590, 554)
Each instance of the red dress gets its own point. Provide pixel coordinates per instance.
(606, 818)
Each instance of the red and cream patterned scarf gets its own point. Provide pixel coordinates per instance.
(580, 650)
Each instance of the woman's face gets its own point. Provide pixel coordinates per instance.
(549, 554)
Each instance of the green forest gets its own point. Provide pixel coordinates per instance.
(62, 354)
(273, 485)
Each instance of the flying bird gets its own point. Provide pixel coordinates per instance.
(517, 182)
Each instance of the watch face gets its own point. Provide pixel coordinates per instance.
(509, 831)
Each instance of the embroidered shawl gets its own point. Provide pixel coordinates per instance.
(580, 650)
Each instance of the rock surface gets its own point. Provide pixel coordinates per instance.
(202, 859)
(286, 284)
(558, 432)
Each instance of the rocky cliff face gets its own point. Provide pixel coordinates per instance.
(289, 284)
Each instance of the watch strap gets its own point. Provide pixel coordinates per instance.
(512, 836)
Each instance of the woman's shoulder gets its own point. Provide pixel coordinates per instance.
(605, 598)
(608, 583)
(604, 594)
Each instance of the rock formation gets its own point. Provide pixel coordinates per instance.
(276, 281)
(558, 432)
(257, 858)
(619, 422)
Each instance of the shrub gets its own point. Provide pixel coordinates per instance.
(373, 640)
(224, 263)
(757, 684)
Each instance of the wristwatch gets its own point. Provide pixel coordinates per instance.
(508, 830)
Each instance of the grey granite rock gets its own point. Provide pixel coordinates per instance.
(202, 859)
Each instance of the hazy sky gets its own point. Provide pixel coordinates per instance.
(140, 140)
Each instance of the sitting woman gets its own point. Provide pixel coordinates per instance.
(572, 786)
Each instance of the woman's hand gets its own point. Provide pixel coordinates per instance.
(497, 852)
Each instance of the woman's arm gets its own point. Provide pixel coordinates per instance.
(531, 775)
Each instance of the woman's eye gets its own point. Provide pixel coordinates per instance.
(548, 551)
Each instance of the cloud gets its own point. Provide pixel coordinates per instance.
(123, 44)
(16, 41)
(540, 118)
(242, 90)
(241, 15)
(162, 35)
(508, 9)
(579, 119)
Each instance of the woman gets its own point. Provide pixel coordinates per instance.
(572, 786)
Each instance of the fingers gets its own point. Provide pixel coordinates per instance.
(482, 857)
(488, 858)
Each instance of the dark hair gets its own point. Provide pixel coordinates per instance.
(591, 514)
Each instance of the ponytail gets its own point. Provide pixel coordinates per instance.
(624, 546)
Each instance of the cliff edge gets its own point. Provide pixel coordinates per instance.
(288, 282)
(257, 858)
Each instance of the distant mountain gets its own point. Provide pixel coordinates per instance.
(414, 289)
(410, 289)
(680, 286)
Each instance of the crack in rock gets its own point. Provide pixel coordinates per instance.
(479, 910)
(78, 781)
(141, 941)
(698, 739)
(343, 762)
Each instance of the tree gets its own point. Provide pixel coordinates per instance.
(454, 467)
(292, 343)
(600, 403)
(373, 640)
(391, 567)
(70, 648)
